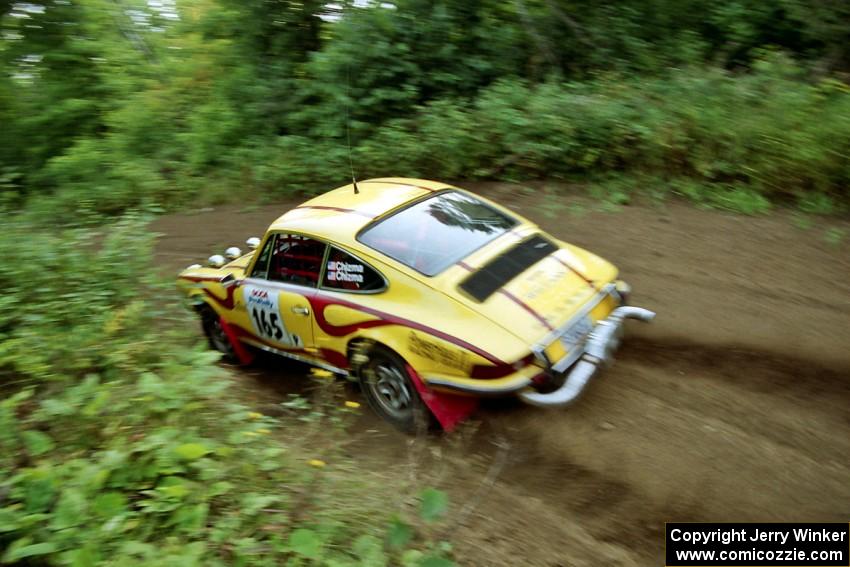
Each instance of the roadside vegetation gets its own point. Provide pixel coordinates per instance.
(736, 104)
(122, 441)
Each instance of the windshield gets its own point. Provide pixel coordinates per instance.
(434, 233)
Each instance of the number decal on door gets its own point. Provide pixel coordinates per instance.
(269, 327)
(264, 312)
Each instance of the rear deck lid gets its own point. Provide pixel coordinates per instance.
(533, 285)
(499, 271)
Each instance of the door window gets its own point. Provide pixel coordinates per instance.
(261, 266)
(296, 259)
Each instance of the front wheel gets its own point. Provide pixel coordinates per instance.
(390, 392)
(211, 325)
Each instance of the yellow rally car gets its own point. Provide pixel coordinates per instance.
(427, 294)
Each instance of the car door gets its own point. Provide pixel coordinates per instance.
(276, 293)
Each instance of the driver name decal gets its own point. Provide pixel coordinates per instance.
(434, 351)
(345, 272)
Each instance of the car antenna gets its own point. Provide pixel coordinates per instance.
(348, 126)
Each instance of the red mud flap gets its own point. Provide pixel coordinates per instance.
(449, 409)
(242, 354)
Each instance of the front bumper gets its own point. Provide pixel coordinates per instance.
(598, 349)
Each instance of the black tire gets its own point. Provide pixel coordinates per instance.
(390, 392)
(217, 339)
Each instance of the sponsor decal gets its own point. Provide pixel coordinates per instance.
(345, 272)
(264, 312)
(434, 351)
(538, 282)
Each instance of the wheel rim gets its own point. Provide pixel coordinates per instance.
(390, 388)
(218, 338)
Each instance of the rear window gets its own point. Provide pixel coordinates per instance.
(346, 273)
(432, 234)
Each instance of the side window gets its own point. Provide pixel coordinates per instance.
(261, 267)
(297, 260)
(346, 273)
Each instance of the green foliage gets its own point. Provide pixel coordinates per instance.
(818, 204)
(113, 106)
(721, 196)
(727, 141)
(835, 236)
(435, 504)
(123, 443)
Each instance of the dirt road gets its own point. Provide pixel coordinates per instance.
(734, 405)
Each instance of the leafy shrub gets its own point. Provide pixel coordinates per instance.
(766, 135)
(123, 443)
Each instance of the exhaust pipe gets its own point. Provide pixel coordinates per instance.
(598, 351)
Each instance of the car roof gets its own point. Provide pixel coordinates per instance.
(340, 214)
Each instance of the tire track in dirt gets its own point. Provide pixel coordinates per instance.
(674, 431)
(689, 434)
(742, 287)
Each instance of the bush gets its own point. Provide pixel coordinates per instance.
(123, 443)
(768, 135)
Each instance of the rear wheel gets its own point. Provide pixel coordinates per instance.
(217, 338)
(390, 392)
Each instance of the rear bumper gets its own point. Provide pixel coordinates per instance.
(598, 350)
